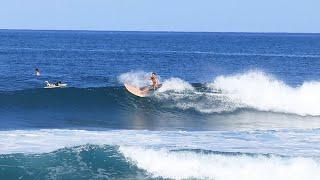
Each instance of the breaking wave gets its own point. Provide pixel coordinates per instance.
(80, 154)
(264, 92)
(252, 96)
(251, 90)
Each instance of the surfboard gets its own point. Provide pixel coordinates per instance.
(136, 91)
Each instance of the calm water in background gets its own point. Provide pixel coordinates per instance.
(90, 59)
(266, 113)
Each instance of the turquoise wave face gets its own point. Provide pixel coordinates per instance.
(112, 162)
(81, 162)
(142, 154)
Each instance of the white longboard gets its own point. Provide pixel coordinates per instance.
(137, 91)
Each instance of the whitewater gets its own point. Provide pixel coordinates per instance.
(252, 89)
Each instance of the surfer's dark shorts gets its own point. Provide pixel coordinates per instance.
(151, 88)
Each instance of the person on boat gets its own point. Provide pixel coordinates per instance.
(37, 72)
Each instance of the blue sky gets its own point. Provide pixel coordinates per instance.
(163, 15)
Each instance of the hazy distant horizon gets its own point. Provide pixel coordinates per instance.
(287, 16)
(156, 31)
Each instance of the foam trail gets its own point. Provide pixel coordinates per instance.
(184, 165)
(261, 91)
(184, 96)
(176, 85)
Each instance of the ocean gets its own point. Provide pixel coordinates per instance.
(232, 106)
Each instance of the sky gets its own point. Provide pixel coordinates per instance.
(163, 15)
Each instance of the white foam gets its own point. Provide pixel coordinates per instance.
(276, 142)
(261, 91)
(176, 85)
(184, 96)
(183, 165)
(136, 78)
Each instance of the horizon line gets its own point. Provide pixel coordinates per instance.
(158, 31)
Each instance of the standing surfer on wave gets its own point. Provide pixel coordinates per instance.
(155, 81)
(155, 84)
(147, 90)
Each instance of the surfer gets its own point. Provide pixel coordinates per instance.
(155, 81)
(58, 83)
(53, 84)
(145, 91)
(37, 72)
(155, 84)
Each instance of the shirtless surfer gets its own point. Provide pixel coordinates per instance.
(145, 91)
(155, 83)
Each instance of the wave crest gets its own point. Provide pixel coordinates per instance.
(263, 92)
(184, 165)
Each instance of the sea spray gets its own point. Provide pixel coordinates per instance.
(264, 92)
(184, 95)
(136, 78)
(176, 85)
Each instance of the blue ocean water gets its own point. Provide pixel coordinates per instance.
(232, 105)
